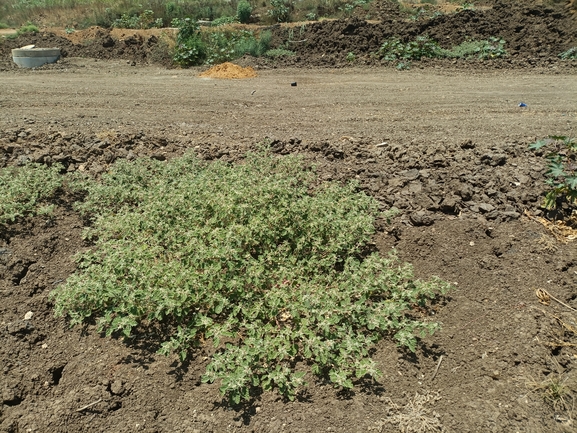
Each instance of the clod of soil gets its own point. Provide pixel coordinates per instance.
(230, 71)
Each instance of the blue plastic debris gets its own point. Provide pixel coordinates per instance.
(522, 104)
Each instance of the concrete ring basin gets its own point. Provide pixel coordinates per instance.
(35, 57)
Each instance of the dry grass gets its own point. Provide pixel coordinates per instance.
(415, 416)
(557, 389)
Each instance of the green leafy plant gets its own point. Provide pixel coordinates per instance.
(28, 28)
(483, 49)
(222, 21)
(280, 10)
(243, 11)
(394, 49)
(272, 270)
(350, 57)
(144, 20)
(190, 49)
(561, 169)
(253, 46)
(24, 189)
(571, 53)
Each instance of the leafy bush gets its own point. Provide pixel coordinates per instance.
(144, 20)
(279, 52)
(251, 257)
(190, 50)
(22, 189)
(216, 45)
(222, 21)
(571, 53)
(280, 10)
(394, 49)
(484, 49)
(252, 46)
(243, 11)
(561, 169)
(28, 28)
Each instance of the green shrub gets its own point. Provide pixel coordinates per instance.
(4, 25)
(280, 10)
(394, 49)
(144, 20)
(561, 169)
(571, 53)
(275, 272)
(243, 11)
(254, 47)
(26, 29)
(223, 21)
(483, 49)
(279, 52)
(190, 49)
(23, 189)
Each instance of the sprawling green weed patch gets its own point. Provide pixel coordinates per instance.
(23, 190)
(274, 272)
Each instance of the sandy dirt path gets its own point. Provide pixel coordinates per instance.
(416, 106)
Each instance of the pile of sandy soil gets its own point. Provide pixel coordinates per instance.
(230, 71)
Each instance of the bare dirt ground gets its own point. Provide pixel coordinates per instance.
(447, 147)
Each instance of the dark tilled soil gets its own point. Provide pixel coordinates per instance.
(448, 148)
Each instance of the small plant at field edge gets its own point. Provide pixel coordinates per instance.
(222, 21)
(557, 389)
(144, 20)
(570, 54)
(243, 11)
(280, 10)
(190, 49)
(27, 28)
(23, 189)
(394, 49)
(350, 57)
(561, 169)
(483, 49)
(250, 257)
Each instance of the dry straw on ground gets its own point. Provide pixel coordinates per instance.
(230, 71)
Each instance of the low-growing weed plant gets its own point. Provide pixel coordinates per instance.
(252, 258)
(570, 54)
(28, 28)
(484, 49)
(223, 21)
(561, 169)
(394, 49)
(279, 52)
(401, 53)
(24, 191)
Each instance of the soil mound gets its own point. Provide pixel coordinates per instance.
(230, 71)
(137, 46)
(535, 34)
